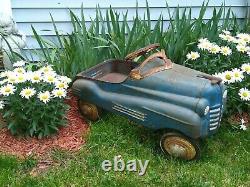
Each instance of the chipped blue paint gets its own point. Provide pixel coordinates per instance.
(172, 99)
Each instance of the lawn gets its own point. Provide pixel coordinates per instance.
(224, 162)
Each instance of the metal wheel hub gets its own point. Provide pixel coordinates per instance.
(179, 147)
(89, 110)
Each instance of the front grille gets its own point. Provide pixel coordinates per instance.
(215, 115)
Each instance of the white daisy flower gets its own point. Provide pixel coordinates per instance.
(4, 74)
(50, 78)
(1, 105)
(244, 94)
(44, 96)
(19, 70)
(34, 77)
(243, 127)
(242, 121)
(219, 75)
(206, 45)
(238, 75)
(244, 37)
(19, 63)
(226, 32)
(21, 78)
(214, 49)
(235, 40)
(225, 50)
(47, 70)
(3, 81)
(246, 68)
(241, 42)
(27, 92)
(7, 90)
(227, 37)
(61, 85)
(222, 36)
(201, 40)
(12, 77)
(193, 55)
(242, 48)
(64, 79)
(228, 77)
(61, 93)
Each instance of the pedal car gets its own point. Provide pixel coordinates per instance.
(157, 94)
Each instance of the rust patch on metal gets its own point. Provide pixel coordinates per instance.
(136, 73)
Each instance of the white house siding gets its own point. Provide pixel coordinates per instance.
(37, 12)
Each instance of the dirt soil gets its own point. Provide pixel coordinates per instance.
(69, 138)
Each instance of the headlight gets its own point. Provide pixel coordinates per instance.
(225, 94)
(206, 110)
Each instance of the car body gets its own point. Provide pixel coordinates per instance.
(173, 99)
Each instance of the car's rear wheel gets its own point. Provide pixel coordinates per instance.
(180, 146)
(89, 110)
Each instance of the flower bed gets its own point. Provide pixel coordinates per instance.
(69, 138)
(32, 99)
(227, 58)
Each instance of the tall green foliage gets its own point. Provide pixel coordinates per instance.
(112, 35)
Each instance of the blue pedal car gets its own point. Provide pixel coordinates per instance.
(157, 94)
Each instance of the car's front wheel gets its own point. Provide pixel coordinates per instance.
(89, 110)
(180, 146)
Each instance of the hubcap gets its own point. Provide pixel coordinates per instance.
(89, 110)
(179, 147)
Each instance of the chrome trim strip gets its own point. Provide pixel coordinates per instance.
(118, 105)
(215, 106)
(213, 124)
(215, 110)
(213, 128)
(214, 115)
(215, 119)
(133, 113)
(127, 111)
(124, 112)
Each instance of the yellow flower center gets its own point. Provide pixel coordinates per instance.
(236, 74)
(61, 85)
(59, 93)
(44, 97)
(242, 49)
(245, 94)
(36, 77)
(7, 90)
(228, 77)
(245, 39)
(247, 68)
(27, 92)
(50, 79)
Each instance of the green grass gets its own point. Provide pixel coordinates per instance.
(225, 160)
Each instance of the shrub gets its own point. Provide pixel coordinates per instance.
(32, 99)
(227, 58)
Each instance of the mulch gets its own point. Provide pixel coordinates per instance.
(69, 138)
(236, 119)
